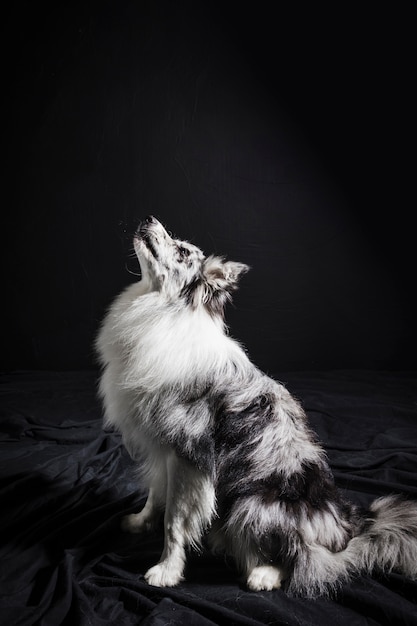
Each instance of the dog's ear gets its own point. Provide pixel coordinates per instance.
(222, 275)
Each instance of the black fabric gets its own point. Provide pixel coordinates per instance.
(65, 483)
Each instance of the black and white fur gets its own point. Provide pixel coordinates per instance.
(224, 448)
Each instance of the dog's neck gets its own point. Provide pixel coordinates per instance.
(175, 345)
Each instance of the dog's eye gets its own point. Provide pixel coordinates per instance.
(263, 401)
(184, 252)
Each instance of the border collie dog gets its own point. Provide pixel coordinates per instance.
(225, 450)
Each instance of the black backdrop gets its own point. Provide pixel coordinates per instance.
(279, 138)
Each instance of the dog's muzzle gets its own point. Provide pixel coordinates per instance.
(146, 224)
(148, 232)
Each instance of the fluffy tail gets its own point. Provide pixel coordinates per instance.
(387, 542)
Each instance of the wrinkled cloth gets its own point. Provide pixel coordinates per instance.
(65, 484)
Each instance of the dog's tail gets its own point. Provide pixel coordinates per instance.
(387, 542)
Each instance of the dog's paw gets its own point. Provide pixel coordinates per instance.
(163, 575)
(265, 578)
(136, 523)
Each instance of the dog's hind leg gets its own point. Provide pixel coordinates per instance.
(265, 578)
(190, 506)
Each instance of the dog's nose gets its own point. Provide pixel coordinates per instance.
(146, 223)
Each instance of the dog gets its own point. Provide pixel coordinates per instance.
(227, 452)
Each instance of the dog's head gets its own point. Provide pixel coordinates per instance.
(180, 271)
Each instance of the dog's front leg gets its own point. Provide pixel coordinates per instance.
(147, 518)
(189, 509)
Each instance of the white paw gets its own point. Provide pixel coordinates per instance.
(265, 578)
(162, 575)
(136, 523)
